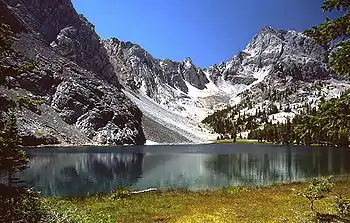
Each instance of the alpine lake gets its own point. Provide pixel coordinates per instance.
(89, 170)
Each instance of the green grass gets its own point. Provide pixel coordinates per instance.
(239, 141)
(276, 203)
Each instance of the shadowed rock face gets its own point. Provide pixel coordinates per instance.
(83, 102)
(70, 34)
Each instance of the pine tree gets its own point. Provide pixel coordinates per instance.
(12, 158)
(6, 41)
(335, 33)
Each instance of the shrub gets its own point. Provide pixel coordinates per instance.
(235, 190)
(30, 103)
(40, 132)
(53, 216)
(120, 193)
(316, 190)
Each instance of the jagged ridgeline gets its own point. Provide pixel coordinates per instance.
(80, 96)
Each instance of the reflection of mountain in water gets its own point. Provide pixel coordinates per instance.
(203, 166)
(181, 171)
(79, 174)
(268, 167)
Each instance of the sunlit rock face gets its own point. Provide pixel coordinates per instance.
(83, 101)
(280, 52)
(141, 71)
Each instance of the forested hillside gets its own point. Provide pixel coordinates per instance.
(330, 125)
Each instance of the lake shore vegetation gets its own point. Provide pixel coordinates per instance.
(277, 203)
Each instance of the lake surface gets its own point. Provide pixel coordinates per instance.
(80, 171)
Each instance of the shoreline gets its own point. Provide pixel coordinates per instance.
(151, 143)
(211, 142)
(335, 179)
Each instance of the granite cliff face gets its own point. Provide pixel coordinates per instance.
(140, 70)
(286, 53)
(82, 98)
(161, 88)
(297, 73)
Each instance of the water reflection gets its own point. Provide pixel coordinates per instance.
(287, 165)
(79, 172)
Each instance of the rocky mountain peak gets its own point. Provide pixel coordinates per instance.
(113, 41)
(188, 62)
(268, 29)
(79, 77)
(292, 42)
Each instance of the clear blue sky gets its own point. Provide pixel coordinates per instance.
(209, 31)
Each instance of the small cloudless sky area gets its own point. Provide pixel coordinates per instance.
(208, 31)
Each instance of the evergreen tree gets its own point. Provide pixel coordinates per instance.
(335, 33)
(17, 204)
(12, 158)
(6, 51)
(6, 41)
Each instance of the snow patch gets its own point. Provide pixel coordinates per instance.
(281, 117)
(150, 143)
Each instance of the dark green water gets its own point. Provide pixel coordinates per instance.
(79, 171)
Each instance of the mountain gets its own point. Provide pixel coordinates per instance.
(81, 100)
(282, 68)
(161, 90)
(85, 90)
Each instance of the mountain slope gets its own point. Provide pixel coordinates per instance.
(80, 91)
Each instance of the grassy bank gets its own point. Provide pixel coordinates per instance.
(269, 204)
